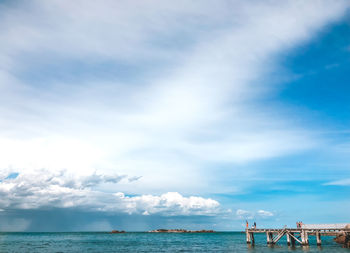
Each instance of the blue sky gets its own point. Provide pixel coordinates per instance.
(135, 116)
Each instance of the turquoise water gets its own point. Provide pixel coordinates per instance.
(149, 242)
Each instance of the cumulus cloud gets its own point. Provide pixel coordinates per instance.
(170, 204)
(42, 178)
(43, 190)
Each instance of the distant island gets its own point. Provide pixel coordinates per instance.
(117, 232)
(180, 231)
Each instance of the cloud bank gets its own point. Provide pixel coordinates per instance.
(45, 190)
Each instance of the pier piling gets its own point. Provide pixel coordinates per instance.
(304, 238)
(252, 238)
(318, 238)
(248, 236)
(269, 237)
(288, 239)
(291, 234)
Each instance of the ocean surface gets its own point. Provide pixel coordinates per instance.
(150, 242)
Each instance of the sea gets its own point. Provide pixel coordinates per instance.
(151, 242)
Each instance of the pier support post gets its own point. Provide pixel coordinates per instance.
(271, 238)
(307, 237)
(318, 238)
(268, 238)
(252, 239)
(288, 239)
(292, 239)
(248, 236)
(304, 238)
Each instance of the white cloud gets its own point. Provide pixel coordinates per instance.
(265, 214)
(341, 182)
(248, 215)
(61, 178)
(198, 100)
(243, 214)
(42, 189)
(172, 203)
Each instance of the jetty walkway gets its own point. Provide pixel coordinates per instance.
(298, 235)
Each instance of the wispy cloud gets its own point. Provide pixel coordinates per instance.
(157, 89)
(341, 182)
(248, 215)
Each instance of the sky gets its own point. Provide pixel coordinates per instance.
(138, 115)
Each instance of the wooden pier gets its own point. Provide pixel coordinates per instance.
(298, 235)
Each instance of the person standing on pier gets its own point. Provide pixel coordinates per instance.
(254, 225)
(247, 225)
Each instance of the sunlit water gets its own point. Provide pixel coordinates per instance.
(150, 242)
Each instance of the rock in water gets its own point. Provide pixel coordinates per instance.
(117, 232)
(344, 238)
(340, 238)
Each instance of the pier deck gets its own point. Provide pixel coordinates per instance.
(295, 235)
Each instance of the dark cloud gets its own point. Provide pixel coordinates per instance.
(56, 220)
